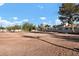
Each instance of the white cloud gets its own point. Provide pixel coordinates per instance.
(16, 23)
(1, 4)
(20, 22)
(15, 18)
(25, 20)
(45, 23)
(57, 22)
(4, 22)
(43, 18)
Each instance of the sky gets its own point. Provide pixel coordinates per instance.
(36, 13)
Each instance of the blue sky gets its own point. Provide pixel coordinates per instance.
(36, 13)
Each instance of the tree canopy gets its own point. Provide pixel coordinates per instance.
(28, 26)
(69, 12)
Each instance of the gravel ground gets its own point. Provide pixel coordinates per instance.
(36, 44)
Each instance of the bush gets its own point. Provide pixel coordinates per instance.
(28, 27)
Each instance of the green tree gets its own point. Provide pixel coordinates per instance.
(47, 27)
(69, 13)
(28, 26)
(41, 27)
(2, 27)
(14, 27)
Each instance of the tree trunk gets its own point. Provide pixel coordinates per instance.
(72, 27)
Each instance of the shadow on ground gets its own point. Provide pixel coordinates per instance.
(39, 38)
(68, 38)
(31, 37)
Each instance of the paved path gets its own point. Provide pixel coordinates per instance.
(33, 44)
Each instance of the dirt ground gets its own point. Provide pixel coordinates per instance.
(36, 44)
